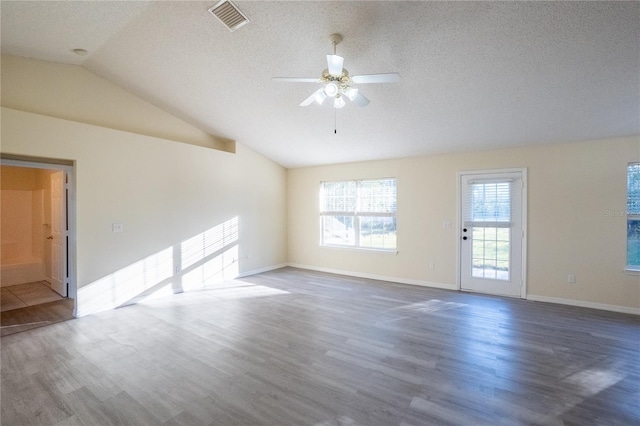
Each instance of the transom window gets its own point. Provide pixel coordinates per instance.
(358, 213)
(633, 217)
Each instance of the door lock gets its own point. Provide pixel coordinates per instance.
(50, 237)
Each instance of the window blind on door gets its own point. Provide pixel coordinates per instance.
(489, 201)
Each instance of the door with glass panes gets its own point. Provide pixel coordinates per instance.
(492, 232)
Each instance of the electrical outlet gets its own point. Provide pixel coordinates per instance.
(117, 227)
(432, 265)
(571, 279)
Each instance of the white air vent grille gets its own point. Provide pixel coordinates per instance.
(228, 14)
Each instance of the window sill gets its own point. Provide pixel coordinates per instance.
(361, 249)
(632, 271)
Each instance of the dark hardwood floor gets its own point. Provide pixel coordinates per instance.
(294, 347)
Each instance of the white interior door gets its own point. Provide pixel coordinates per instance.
(58, 234)
(492, 233)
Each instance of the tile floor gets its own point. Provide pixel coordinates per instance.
(23, 295)
(32, 305)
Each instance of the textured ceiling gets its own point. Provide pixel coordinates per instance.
(475, 75)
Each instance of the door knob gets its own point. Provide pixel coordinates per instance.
(464, 238)
(50, 237)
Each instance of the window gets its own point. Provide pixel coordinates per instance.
(490, 219)
(633, 216)
(358, 213)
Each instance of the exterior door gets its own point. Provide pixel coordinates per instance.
(492, 232)
(58, 234)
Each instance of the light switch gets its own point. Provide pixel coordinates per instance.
(446, 224)
(117, 227)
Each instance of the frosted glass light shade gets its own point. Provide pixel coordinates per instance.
(332, 89)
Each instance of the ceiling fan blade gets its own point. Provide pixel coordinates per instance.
(393, 77)
(318, 96)
(360, 100)
(334, 64)
(295, 79)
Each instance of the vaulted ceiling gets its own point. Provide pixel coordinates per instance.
(475, 75)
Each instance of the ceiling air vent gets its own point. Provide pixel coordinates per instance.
(228, 14)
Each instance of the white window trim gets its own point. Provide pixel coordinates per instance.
(630, 269)
(356, 220)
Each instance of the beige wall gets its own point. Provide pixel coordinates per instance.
(162, 191)
(22, 214)
(18, 178)
(73, 93)
(571, 187)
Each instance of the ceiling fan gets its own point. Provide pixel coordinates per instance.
(337, 81)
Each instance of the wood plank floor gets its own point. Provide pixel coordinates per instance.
(294, 347)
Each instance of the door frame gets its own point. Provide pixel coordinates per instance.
(460, 219)
(68, 167)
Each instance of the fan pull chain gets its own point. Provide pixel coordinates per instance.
(335, 121)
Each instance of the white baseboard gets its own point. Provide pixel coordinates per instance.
(583, 304)
(375, 277)
(533, 297)
(261, 270)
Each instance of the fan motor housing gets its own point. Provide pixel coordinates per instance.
(342, 79)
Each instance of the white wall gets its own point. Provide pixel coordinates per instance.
(163, 192)
(571, 188)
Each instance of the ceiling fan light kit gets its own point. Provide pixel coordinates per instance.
(332, 89)
(320, 96)
(337, 82)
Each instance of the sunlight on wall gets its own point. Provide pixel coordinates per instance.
(219, 269)
(125, 284)
(208, 258)
(214, 253)
(208, 243)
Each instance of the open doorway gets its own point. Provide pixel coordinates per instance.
(36, 269)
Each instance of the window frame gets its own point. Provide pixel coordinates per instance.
(356, 214)
(635, 216)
